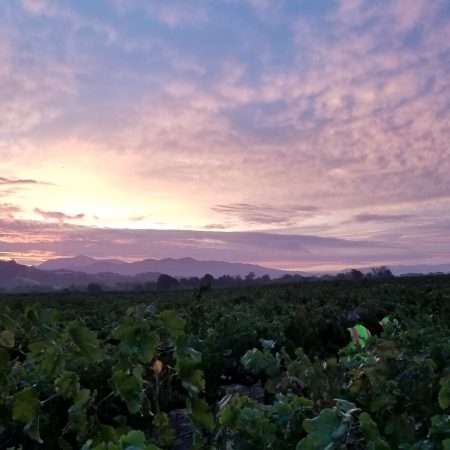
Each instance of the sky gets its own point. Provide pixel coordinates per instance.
(297, 134)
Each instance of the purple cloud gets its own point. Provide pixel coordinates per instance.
(265, 214)
(277, 250)
(59, 216)
(381, 217)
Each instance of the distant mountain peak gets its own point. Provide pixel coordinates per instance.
(74, 262)
(83, 258)
(177, 267)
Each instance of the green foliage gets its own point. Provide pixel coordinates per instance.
(137, 339)
(7, 338)
(99, 372)
(444, 393)
(64, 363)
(26, 410)
(330, 428)
(129, 387)
(371, 433)
(201, 414)
(85, 340)
(67, 385)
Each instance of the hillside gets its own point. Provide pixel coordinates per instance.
(182, 267)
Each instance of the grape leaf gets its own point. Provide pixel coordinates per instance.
(444, 394)
(67, 385)
(129, 388)
(371, 434)
(26, 410)
(85, 340)
(7, 338)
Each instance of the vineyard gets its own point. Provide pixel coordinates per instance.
(257, 367)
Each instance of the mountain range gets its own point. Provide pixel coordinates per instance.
(80, 271)
(14, 276)
(183, 267)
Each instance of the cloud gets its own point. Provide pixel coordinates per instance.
(381, 217)
(137, 218)
(17, 181)
(336, 116)
(253, 107)
(68, 15)
(266, 214)
(410, 244)
(8, 210)
(330, 127)
(217, 226)
(32, 84)
(59, 216)
(65, 239)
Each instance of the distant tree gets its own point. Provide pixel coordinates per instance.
(382, 272)
(148, 286)
(356, 274)
(265, 278)
(226, 280)
(94, 288)
(165, 281)
(250, 277)
(207, 279)
(194, 281)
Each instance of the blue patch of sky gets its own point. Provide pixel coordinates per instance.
(257, 34)
(43, 39)
(310, 8)
(413, 37)
(429, 85)
(95, 9)
(246, 120)
(366, 25)
(153, 43)
(444, 12)
(233, 32)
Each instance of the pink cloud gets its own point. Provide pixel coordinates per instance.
(58, 216)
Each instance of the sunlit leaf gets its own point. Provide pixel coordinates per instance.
(7, 338)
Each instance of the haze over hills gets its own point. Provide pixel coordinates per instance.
(13, 276)
(81, 271)
(182, 267)
(75, 263)
(190, 267)
(420, 269)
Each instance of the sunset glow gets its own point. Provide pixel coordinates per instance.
(309, 135)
